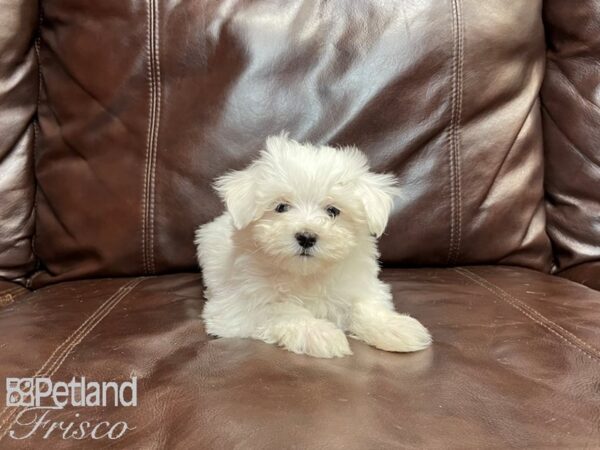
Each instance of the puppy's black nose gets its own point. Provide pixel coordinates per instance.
(306, 239)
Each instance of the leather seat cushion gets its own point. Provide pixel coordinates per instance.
(515, 362)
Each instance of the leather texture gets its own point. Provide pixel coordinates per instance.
(571, 104)
(19, 81)
(142, 104)
(510, 367)
(10, 293)
(587, 274)
(444, 94)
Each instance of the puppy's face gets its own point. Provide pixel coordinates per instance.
(305, 232)
(303, 208)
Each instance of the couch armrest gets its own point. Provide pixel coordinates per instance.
(571, 116)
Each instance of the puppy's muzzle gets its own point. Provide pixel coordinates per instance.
(306, 239)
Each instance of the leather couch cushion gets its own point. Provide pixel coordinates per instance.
(19, 81)
(144, 103)
(571, 105)
(515, 363)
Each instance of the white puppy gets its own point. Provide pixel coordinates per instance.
(293, 260)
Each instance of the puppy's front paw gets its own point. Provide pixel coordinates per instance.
(392, 332)
(314, 337)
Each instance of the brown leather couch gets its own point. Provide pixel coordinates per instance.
(115, 115)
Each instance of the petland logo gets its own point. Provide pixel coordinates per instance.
(40, 396)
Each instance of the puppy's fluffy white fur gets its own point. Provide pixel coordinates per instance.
(262, 284)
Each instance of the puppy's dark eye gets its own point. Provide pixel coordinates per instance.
(282, 207)
(333, 211)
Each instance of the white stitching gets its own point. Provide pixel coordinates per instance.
(148, 135)
(154, 84)
(531, 313)
(156, 128)
(454, 134)
(67, 341)
(500, 291)
(451, 137)
(74, 339)
(459, 101)
(150, 131)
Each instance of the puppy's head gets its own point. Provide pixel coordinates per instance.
(305, 207)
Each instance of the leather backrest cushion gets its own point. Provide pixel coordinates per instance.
(571, 118)
(19, 81)
(145, 103)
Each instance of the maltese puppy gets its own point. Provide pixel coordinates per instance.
(294, 260)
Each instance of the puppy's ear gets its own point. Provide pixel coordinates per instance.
(377, 192)
(237, 189)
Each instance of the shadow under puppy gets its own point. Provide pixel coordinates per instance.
(294, 260)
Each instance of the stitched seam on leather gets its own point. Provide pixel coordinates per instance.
(81, 327)
(450, 139)
(459, 101)
(565, 335)
(59, 355)
(74, 339)
(148, 133)
(152, 199)
(532, 311)
(36, 138)
(454, 133)
(151, 133)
